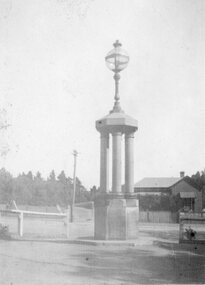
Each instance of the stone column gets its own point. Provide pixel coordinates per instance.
(116, 162)
(104, 162)
(129, 162)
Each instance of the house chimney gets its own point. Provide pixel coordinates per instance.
(182, 174)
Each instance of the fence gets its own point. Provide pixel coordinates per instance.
(158, 217)
(36, 224)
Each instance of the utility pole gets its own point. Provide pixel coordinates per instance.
(75, 154)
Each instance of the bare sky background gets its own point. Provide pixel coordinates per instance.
(54, 83)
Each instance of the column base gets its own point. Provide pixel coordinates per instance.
(116, 218)
(130, 195)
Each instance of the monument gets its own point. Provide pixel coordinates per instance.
(116, 211)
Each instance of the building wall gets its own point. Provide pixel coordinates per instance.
(183, 186)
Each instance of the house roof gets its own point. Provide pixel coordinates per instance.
(157, 182)
(192, 183)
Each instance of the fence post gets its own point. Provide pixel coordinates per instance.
(93, 211)
(181, 229)
(20, 224)
(68, 224)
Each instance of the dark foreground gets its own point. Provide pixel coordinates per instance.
(32, 262)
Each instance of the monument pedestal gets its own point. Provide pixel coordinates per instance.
(116, 218)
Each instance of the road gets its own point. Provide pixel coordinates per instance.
(51, 263)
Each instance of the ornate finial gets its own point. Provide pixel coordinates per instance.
(116, 60)
(117, 44)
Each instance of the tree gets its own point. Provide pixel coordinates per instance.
(38, 176)
(6, 186)
(23, 189)
(65, 185)
(94, 192)
(160, 202)
(39, 193)
(52, 176)
(62, 177)
(176, 203)
(34, 190)
(149, 202)
(81, 195)
(199, 179)
(30, 175)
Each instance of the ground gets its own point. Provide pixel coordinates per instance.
(156, 259)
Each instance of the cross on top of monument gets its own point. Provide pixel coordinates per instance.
(117, 60)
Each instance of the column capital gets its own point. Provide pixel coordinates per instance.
(116, 133)
(104, 134)
(129, 135)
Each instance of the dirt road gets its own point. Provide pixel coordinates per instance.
(49, 263)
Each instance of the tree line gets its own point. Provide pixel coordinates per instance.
(199, 179)
(30, 189)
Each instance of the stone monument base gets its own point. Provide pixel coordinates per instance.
(116, 218)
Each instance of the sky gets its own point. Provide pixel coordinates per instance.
(54, 84)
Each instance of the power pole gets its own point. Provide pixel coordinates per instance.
(75, 154)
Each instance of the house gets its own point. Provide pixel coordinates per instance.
(188, 191)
